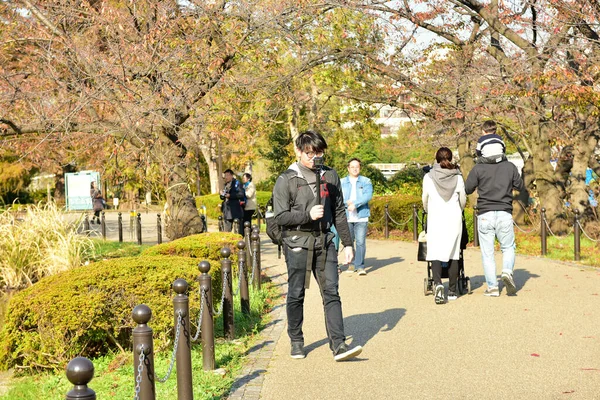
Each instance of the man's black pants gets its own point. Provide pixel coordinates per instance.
(327, 278)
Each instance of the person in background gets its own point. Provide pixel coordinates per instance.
(444, 199)
(231, 207)
(358, 191)
(97, 202)
(494, 178)
(250, 190)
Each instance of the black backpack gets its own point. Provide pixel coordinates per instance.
(274, 230)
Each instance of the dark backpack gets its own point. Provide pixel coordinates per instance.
(274, 230)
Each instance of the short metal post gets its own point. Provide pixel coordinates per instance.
(236, 226)
(247, 232)
(244, 294)
(159, 228)
(142, 342)
(255, 239)
(181, 305)
(256, 229)
(131, 221)
(120, 227)
(227, 279)
(258, 216)
(543, 232)
(139, 228)
(475, 228)
(577, 235)
(221, 226)
(204, 226)
(415, 223)
(103, 225)
(80, 372)
(86, 224)
(206, 325)
(386, 229)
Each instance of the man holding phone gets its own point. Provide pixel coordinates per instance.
(307, 202)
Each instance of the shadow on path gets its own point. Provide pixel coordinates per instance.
(364, 327)
(373, 264)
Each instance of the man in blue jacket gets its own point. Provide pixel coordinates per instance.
(358, 191)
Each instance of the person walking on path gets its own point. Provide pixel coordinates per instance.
(494, 177)
(250, 190)
(444, 199)
(358, 191)
(231, 207)
(97, 202)
(307, 202)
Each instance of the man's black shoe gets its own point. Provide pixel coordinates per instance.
(343, 353)
(298, 350)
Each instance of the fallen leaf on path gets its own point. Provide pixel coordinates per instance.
(526, 309)
(535, 355)
(569, 392)
(590, 369)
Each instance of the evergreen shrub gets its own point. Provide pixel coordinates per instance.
(400, 209)
(86, 311)
(212, 202)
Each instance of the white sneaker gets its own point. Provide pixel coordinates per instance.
(492, 292)
(439, 294)
(509, 283)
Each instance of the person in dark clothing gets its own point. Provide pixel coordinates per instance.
(306, 226)
(97, 202)
(231, 208)
(494, 178)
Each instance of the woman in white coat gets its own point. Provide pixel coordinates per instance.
(444, 199)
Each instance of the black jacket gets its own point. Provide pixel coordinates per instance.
(231, 207)
(292, 211)
(494, 184)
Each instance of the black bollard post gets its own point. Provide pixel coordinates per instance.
(131, 222)
(181, 305)
(221, 227)
(255, 238)
(247, 232)
(475, 228)
(120, 227)
(139, 228)
(143, 354)
(543, 233)
(236, 226)
(415, 223)
(256, 229)
(103, 225)
(206, 325)
(86, 224)
(159, 228)
(258, 216)
(386, 229)
(80, 372)
(577, 235)
(227, 279)
(204, 226)
(244, 294)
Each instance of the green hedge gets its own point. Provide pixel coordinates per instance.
(212, 202)
(400, 208)
(87, 311)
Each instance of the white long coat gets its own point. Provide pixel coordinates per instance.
(444, 220)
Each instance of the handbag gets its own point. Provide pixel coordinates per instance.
(422, 251)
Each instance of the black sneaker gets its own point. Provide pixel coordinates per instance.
(509, 283)
(343, 353)
(298, 350)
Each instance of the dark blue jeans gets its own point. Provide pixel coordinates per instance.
(327, 278)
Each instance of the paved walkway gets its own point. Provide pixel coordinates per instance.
(542, 343)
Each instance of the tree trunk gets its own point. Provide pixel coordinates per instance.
(467, 162)
(181, 217)
(578, 189)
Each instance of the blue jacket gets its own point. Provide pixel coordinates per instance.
(364, 193)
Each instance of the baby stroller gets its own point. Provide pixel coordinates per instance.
(463, 285)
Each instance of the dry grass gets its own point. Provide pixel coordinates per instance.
(39, 242)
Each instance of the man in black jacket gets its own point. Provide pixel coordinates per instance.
(494, 178)
(231, 208)
(306, 217)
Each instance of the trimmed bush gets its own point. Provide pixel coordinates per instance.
(87, 311)
(400, 209)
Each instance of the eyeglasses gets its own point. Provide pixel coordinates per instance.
(312, 154)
